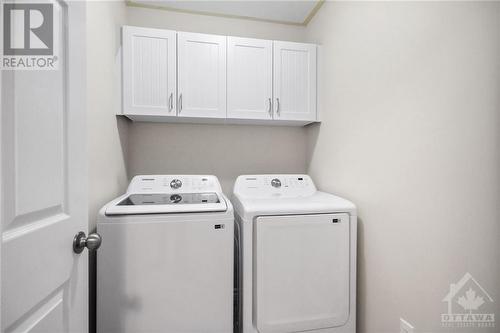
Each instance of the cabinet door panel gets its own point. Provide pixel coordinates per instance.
(149, 71)
(294, 81)
(249, 78)
(201, 75)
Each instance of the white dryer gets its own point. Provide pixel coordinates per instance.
(297, 256)
(166, 260)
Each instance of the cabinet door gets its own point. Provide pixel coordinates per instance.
(294, 81)
(201, 75)
(149, 71)
(249, 72)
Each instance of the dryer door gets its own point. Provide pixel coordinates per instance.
(301, 272)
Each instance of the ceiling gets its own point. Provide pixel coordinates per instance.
(289, 12)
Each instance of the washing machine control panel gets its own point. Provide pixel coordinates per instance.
(274, 185)
(174, 184)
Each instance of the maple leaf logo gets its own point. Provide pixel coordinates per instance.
(470, 301)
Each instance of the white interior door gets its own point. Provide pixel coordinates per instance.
(250, 77)
(201, 75)
(294, 81)
(149, 71)
(301, 272)
(43, 188)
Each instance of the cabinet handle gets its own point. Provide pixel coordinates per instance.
(278, 106)
(180, 103)
(171, 102)
(270, 109)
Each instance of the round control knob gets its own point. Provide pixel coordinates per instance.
(175, 198)
(276, 182)
(175, 184)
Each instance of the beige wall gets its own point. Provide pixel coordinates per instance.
(164, 19)
(411, 134)
(107, 135)
(224, 150)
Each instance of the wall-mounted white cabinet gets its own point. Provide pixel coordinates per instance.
(250, 78)
(295, 81)
(149, 71)
(201, 76)
(189, 77)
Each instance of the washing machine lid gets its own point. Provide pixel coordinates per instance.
(164, 194)
(257, 195)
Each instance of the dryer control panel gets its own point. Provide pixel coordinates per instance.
(274, 185)
(174, 184)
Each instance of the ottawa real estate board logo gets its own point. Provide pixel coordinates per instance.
(468, 304)
(29, 36)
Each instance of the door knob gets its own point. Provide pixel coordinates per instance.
(92, 242)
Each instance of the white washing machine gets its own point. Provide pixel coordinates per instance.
(166, 259)
(297, 256)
